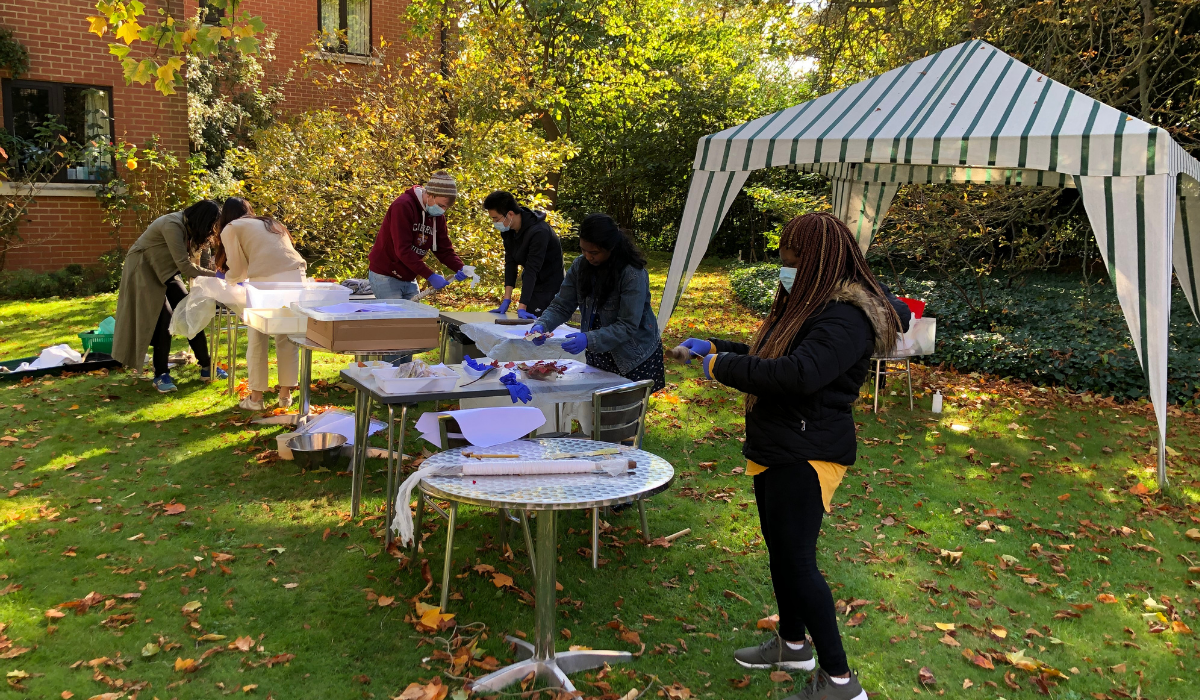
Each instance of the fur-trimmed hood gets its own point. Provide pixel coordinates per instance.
(879, 313)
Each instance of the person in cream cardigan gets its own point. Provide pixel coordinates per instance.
(259, 249)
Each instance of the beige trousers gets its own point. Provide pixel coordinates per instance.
(258, 346)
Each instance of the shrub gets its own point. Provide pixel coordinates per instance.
(754, 285)
(1051, 331)
(70, 281)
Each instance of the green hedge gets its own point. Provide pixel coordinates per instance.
(70, 281)
(1048, 332)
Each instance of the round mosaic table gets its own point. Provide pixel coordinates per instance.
(546, 494)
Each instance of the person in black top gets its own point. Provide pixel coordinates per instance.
(531, 243)
(801, 376)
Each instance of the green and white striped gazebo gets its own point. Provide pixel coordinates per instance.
(972, 113)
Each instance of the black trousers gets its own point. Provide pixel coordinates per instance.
(790, 510)
(161, 340)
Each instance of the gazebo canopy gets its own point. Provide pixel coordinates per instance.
(972, 113)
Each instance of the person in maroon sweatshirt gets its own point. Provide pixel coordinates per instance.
(414, 226)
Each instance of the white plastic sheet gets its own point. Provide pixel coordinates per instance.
(507, 343)
(53, 356)
(192, 315)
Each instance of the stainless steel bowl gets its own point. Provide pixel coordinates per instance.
(316, 450)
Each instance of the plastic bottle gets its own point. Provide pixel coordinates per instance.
(937, 401)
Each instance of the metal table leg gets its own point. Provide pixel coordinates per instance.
(305, 383)
(528, 542)
(453, 520)
(908, 371)
(645, 526)
(595, 538)
(877, 363)
(539, 657)
(394, 471)
(418, 519)
(358, 465)
(232, 354)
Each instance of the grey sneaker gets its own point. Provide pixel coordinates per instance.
(773, 653)
(821, 687)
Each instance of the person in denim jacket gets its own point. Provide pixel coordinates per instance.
(610, 287)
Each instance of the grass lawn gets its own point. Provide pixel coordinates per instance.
(1005, 548)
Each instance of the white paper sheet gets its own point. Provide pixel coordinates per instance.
(53, 356)
(485, 427)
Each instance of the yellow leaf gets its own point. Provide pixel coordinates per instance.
(184, 664)
(129, 31)
(97, 25)
(501, 580)
(1193, 534)
(1179, 627)
(434, 616)
(192, 606)
(210, 638)
(944, 626)
(999, 631)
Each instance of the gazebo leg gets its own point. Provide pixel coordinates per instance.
(908, 371)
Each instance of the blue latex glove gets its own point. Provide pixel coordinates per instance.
(707, 364)
(537, 328)
(460, 276)
(503, 308)
(516, 390)
(220, 275)
(698, 348)
(470, 362)
(522, 313)
(575, 343)
(437, 281)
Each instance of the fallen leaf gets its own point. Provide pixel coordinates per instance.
(174, 509)
(944, 626)
(192, 606)
(857, 619)
(150, 649)
(243, 643)
(967, 683)
(54, 614)
(385, 600)
(248, 688)
(501, 580)
(768, 623)
(1106, 598)
(925, 676)
(290, 585)
(185, 665)
(1193, 534)
(949, 641)
(780, 676)
(210, 638)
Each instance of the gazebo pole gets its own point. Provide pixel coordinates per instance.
(1163, 484)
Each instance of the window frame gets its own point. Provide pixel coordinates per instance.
(58, 107)
(343, 47)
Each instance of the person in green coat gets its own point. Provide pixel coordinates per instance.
(151, 287)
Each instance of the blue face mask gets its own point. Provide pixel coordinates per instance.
(500, 227)
(434, 210)
(787, 277)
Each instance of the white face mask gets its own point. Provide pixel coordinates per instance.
(787, 277)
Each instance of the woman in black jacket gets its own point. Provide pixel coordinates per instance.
(801, 375)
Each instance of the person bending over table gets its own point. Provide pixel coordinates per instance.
(414, 225)
(530, 242)
(610, 287)
(259, 249)
(801, 375)
(151, 288)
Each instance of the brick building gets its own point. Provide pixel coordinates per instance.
(72, 75)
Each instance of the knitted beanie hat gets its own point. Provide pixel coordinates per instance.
(441, 184)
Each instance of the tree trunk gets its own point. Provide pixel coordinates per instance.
(553, 178)
(1143, 70)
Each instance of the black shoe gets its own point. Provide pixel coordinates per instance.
(822, 687)
(774, 653)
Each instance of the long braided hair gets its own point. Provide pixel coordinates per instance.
(829, 256)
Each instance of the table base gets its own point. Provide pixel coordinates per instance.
(553, 670)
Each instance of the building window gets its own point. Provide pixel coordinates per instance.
(345, 26)
(85, 113)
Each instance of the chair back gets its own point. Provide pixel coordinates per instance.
(450, 433)
(619, 413)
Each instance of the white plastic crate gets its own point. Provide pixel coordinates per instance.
(275, 321)
(387, 382)
(380, 309)
(275, 295)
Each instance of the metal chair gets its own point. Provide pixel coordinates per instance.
(452, 438)
(227, 320)
(619, 415)
(882, 370)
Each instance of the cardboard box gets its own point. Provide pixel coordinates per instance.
(374, 334)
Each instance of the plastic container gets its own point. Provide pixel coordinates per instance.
(389, 309)
(97, 342)
(387, 382)
(275, 321)
(275, 295)
(364, 373)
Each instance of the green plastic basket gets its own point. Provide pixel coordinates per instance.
(97, 342)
